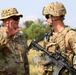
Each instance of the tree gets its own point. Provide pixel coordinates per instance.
(28, 23)
(35, 31)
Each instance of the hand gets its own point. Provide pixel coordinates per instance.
(10, 30)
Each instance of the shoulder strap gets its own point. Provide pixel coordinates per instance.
(67, 37)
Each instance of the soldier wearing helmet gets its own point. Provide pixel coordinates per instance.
(55, 9)
(13, 47)
(63, 37)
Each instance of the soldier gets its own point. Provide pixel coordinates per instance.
(63, 37)
(13, 47)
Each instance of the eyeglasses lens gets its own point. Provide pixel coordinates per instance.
(47, 16)
(15, 18)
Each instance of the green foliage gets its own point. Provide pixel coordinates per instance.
(75, 29)
(34, 30)
(28, 23)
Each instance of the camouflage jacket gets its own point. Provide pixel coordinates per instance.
(14, 46)
(66, 40)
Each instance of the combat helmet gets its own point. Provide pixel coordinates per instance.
(9, 12)
(54, 9)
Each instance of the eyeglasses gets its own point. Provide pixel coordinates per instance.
(47, 16)
(15, 18)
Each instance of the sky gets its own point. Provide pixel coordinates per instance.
(32, 9)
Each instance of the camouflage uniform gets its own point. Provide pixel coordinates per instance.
(67, 45)
(65, 40)
(13, 50)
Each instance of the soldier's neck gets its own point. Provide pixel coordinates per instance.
(58, 27)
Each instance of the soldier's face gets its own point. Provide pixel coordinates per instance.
(13, 22)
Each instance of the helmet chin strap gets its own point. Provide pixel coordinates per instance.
(51, 22)
(50, 16)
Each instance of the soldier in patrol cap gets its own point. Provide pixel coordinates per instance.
(13, 47)
(63, 37)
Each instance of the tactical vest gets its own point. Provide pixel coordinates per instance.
(61, 40)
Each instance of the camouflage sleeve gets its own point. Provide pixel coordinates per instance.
(49, 44)
(72, 42)
(3, 38)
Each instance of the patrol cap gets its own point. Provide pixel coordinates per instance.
(54, 8)
(9, 12)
